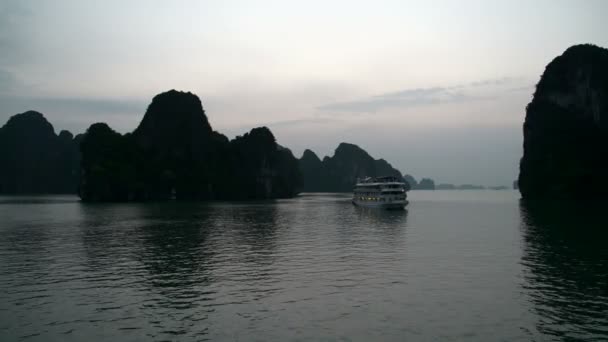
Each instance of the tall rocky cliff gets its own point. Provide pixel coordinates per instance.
(260, 168)
(339, 173)
(175, 153)
(34, 160)
(566, 128)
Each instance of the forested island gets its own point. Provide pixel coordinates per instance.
(566, 129)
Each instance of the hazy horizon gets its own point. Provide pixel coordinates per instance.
(436, 88)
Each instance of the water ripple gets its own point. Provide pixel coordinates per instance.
(310, 268)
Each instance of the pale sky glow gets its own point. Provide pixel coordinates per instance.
(438, 88)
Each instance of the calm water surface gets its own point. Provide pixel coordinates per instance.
(456, 265)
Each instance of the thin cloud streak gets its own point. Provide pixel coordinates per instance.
(76, 114)
(401, 99)
(13, 31)
(419, 97)
(7, 80)
(493, 82)
(82, 105)
(304, 121)
(524, 88)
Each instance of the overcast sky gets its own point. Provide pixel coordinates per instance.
(438, 88)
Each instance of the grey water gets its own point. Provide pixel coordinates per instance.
(456, 265)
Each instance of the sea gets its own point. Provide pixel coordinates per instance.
(454, 266)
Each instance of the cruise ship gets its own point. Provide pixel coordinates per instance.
(380, 192)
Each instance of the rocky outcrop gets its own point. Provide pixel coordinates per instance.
(411, 181)
(174, 153)
(339, 173)
(448, 186)
(348, 163)
(174, 126)
(445, 186)
(262, 169)
(34, 160)
(109, 166)
(566, 128)
(313, 172)
(473, 187)
(426, 184)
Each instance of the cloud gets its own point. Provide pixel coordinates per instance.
(76, 114)
(283, 125)
(401, 99)
(7, 80)
(13, 31)
(493, 82)
(419, 97)
(528, 87)
(83, 105)
(305, 121)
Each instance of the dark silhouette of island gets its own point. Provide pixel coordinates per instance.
(339, 173)
(174, 153)
(34, 159)
(409, 179)
(566, 126)
(471, 187)
(448, 186)
(425, 184)
(445, 186)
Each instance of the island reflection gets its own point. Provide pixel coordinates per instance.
(566, 267)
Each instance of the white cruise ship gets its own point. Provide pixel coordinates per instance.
(380, 192)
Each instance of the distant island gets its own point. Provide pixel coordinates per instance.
(339, 173)
(424, 184)
(566, 129)
(448, 186)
